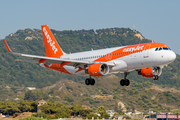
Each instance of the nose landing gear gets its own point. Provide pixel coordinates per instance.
(155, 77)
(125, 81)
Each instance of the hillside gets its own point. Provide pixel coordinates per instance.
(139, 96)
(16, 76)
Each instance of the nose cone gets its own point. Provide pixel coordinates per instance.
(171, 56)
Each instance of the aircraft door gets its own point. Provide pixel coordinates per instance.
(146, 56)
(146, 51)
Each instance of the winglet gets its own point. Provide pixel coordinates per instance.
(7, 46)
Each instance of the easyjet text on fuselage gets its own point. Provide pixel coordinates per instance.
(133, 49)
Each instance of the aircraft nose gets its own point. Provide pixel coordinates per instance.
(172, 56)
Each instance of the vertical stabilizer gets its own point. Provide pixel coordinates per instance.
(51, 46)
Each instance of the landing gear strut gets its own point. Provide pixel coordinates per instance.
(125, 81)
(89, 81)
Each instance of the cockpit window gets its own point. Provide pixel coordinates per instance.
(165, 48)
(156, 49)
(162, 48)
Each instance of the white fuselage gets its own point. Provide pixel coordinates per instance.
(131, 61)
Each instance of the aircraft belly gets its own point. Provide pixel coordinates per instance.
(73, 71)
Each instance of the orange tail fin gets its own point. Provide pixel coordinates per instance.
(51, 46)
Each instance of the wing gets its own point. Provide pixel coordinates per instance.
(49, 60)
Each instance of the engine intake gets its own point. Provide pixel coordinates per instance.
(99, 69)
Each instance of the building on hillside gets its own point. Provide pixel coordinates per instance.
(16, 99)
(42, 102)
(110, 112)
(31, 88)
(86, 107)
(164, 116)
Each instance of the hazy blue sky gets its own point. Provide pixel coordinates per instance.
(158, 20)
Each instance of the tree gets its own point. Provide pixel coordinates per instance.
(89, 116)
(26, 106)
(102, 111)
(29, 95)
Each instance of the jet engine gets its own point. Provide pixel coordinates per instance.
(99, 69)
(152, 72)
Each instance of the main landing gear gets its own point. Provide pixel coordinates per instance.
(125, 81)
(89, 81)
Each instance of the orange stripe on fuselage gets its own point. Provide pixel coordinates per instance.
(58, 67)
(42, 61)
(128, 50)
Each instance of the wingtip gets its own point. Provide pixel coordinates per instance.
(7, 46)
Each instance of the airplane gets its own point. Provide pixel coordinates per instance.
(147, 59)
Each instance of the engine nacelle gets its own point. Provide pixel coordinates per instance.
(99, 69)
(150, 72)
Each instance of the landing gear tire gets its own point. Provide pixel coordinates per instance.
(89, 81)
(92, 81)
(125, 82)
(122, 82)
(155, 77)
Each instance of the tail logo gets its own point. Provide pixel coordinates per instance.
(49, 40)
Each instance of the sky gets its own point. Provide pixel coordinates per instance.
(157, 20)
